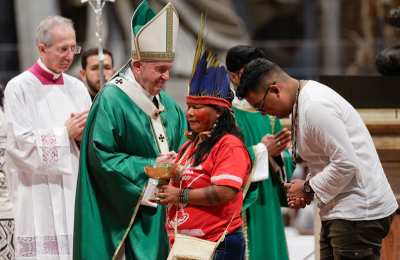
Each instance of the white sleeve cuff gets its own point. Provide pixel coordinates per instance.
(149, 193)
(54, 151)
(260, 170)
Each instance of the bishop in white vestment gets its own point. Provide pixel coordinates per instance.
(42, 160)
(46, 111)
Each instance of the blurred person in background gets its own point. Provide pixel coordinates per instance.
(266, 140)
(90, 71)
(6, 214)
(388, 65)
(388, 61)
(46, 111)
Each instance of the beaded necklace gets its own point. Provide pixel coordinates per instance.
(294, 126)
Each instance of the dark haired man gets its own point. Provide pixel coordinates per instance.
(90, 71)
(262, 205)
(346, 177)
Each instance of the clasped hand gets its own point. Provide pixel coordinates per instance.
(296, 197)
(75, 125)
(166, 158)
(277, 143)
(168, 194)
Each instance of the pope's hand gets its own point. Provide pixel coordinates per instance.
(166, 158)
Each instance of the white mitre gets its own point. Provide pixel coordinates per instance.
(154, 35)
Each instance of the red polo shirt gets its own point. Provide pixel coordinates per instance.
(228, 164)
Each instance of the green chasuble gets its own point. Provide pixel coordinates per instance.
(118, 142)
(265, 229)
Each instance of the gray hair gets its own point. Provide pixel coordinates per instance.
(45, 28)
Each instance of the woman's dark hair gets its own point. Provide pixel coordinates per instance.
(238, 56)
(225, 124)
(253, 73)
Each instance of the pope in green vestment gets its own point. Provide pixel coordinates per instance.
(262, 205)
(118, 142)
(124, 133)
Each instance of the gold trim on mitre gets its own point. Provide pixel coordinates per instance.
(167, 52)
(153, 55)
(169, 33)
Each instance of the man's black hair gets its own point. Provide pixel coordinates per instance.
(388, 61)
(91, 52)
(238, 56)
(253, 74)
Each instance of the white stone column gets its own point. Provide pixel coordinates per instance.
(28, 15)
(330, 37)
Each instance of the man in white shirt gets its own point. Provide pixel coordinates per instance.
(265, 138)
(46, 111)
(346, 177)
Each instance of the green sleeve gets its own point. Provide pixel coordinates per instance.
(106, 153)
(182, 126)
(174, 120)
(277, 125)
(251, 153)
(287, 164)
(110, 183)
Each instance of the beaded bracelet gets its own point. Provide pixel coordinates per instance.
(180, 198)
(184, 196)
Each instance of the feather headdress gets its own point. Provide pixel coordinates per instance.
(210, 82)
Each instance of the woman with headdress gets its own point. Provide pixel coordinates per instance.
(206, 198)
